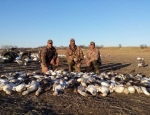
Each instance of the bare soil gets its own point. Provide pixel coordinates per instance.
(70, 103)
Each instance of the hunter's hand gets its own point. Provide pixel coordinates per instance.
(45, 69)
(87, 62)
(57, 62)
(52, 62)
(75, 60)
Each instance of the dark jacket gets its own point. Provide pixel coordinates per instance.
(47, 54)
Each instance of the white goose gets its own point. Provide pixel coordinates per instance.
(138, 89)
(144, 90)
(81, 90)
(141, 89)
(131, 89)
(92, 89)
(119, 88)
(2, 84)
(37, 93)
(20, 88)
(19, 61)
(139, 58)
(126, 90)
(141, 64)
(32, 87)
(112, 86)
(59, 87)
(105, 83)
(8, 88)
(103, 89)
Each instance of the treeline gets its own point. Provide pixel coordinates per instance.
(5, 47)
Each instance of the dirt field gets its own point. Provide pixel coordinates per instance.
(122, 60)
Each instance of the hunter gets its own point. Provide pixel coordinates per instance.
(93, 60)
(48, 57)
(74, 56)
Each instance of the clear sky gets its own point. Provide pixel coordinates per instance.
(30, 23)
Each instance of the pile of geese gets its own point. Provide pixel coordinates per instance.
(85, 84)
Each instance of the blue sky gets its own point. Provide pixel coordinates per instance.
(30, 23)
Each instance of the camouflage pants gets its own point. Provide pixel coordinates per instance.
(94, 66)
(72, 65)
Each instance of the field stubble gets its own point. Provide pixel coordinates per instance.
(69, 103)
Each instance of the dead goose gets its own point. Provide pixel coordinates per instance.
(119, 88)
(81, 91)
(139, 58)
(49, 72)
(112, 86)
(27, 60)
(92, 89)
(4, 80)
(32, 87)
(53, 73)
(103, 90)
(144, 90)
(19, 61)
(105, 83)
(126, 91)
(59, 87)
(141, 89)
(20, 88)
(1, 85)
(79, 79)
(141, 63)
(131, 89)
(7, 88)
(37, 93)
(138, 89)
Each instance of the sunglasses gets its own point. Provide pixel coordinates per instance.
(49, 43)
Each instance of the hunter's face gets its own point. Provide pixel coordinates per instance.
(49, 45)
(92, 46)
(72, 44)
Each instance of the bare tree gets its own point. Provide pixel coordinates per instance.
(142, 46)
(120, 45)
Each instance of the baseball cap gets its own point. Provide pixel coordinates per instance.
(92, 43)
(72, 40)
(50, 41)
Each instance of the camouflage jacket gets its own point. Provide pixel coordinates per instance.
(72, 53)
(92, 55)
(47, 54)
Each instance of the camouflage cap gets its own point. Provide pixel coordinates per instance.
(50, 41)
(92, 43)
(72, 40)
